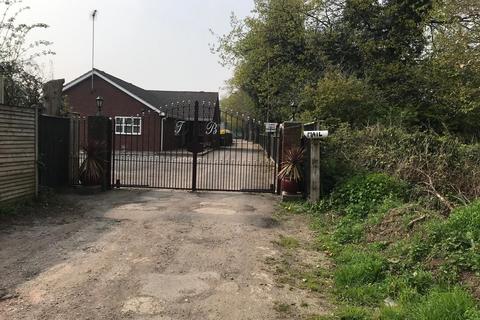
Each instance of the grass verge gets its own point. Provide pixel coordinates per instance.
(393, 258)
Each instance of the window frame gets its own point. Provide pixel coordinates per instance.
(124, 125)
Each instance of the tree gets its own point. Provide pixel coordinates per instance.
(267, 51)
(338, 97)
(414, 62)
(17, 55)
(239, 101)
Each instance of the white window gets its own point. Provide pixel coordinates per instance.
(128, 125)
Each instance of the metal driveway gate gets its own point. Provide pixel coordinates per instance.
(194, 146)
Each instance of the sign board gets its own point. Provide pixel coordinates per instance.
(271, 127)
(315, 134)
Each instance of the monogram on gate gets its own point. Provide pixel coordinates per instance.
(212, 128)
(178, 127)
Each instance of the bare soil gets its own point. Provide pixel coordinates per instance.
(151, 255)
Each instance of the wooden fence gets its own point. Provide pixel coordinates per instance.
(18, 152)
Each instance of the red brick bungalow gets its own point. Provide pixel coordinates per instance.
(142, 117)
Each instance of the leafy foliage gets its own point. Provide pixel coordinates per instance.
(240, 102)
(339, 97)
(409, 62)
(92, 168)
(361, 194)
(457, 240)
(443, 168)
(292, 165)
(17, 55)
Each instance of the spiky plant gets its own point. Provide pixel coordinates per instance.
(91, 170)
(292, 165)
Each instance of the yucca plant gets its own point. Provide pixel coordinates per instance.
(292, 165)
(91, 170)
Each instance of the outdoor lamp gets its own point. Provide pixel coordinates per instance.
(99, 105)
(294, 107)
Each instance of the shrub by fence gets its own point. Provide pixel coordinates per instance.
(443, 168)
(18, 152)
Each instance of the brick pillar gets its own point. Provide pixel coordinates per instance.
(291, 138)
(100, 131)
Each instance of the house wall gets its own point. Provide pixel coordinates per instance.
(151, 137)
(82, 100)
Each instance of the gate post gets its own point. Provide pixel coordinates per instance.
(195, 148)
(314, 181)
(100, 132)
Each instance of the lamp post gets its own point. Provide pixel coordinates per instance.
(99, 105)
(294, 107)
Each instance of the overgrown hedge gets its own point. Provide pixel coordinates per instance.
(442, 169)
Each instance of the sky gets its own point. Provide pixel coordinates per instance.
(155, 44)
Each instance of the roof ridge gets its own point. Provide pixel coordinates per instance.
(155, 99)
(182, 91)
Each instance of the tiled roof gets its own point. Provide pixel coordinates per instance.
(178, 104)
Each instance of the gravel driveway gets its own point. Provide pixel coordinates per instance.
(146, 255)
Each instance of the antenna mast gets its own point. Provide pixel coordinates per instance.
(94, 15)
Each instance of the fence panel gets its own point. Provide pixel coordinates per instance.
(54, 143)
(18, 152)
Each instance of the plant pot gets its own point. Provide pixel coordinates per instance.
(290, 186)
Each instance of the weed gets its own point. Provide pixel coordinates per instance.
(391, 313)
(353, 313)
(348, 230)
(363, 295)
(358, 268)
(361, 194)
(457, 240)
(288, 242)
(311, 281)
(281, 307)
(455, 304)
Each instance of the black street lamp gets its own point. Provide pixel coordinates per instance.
(99, 105)
(294, 107)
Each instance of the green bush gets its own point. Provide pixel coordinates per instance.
(429, 162)
(453, 242)
(363, 193)
(457, 240)
(455, 304)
